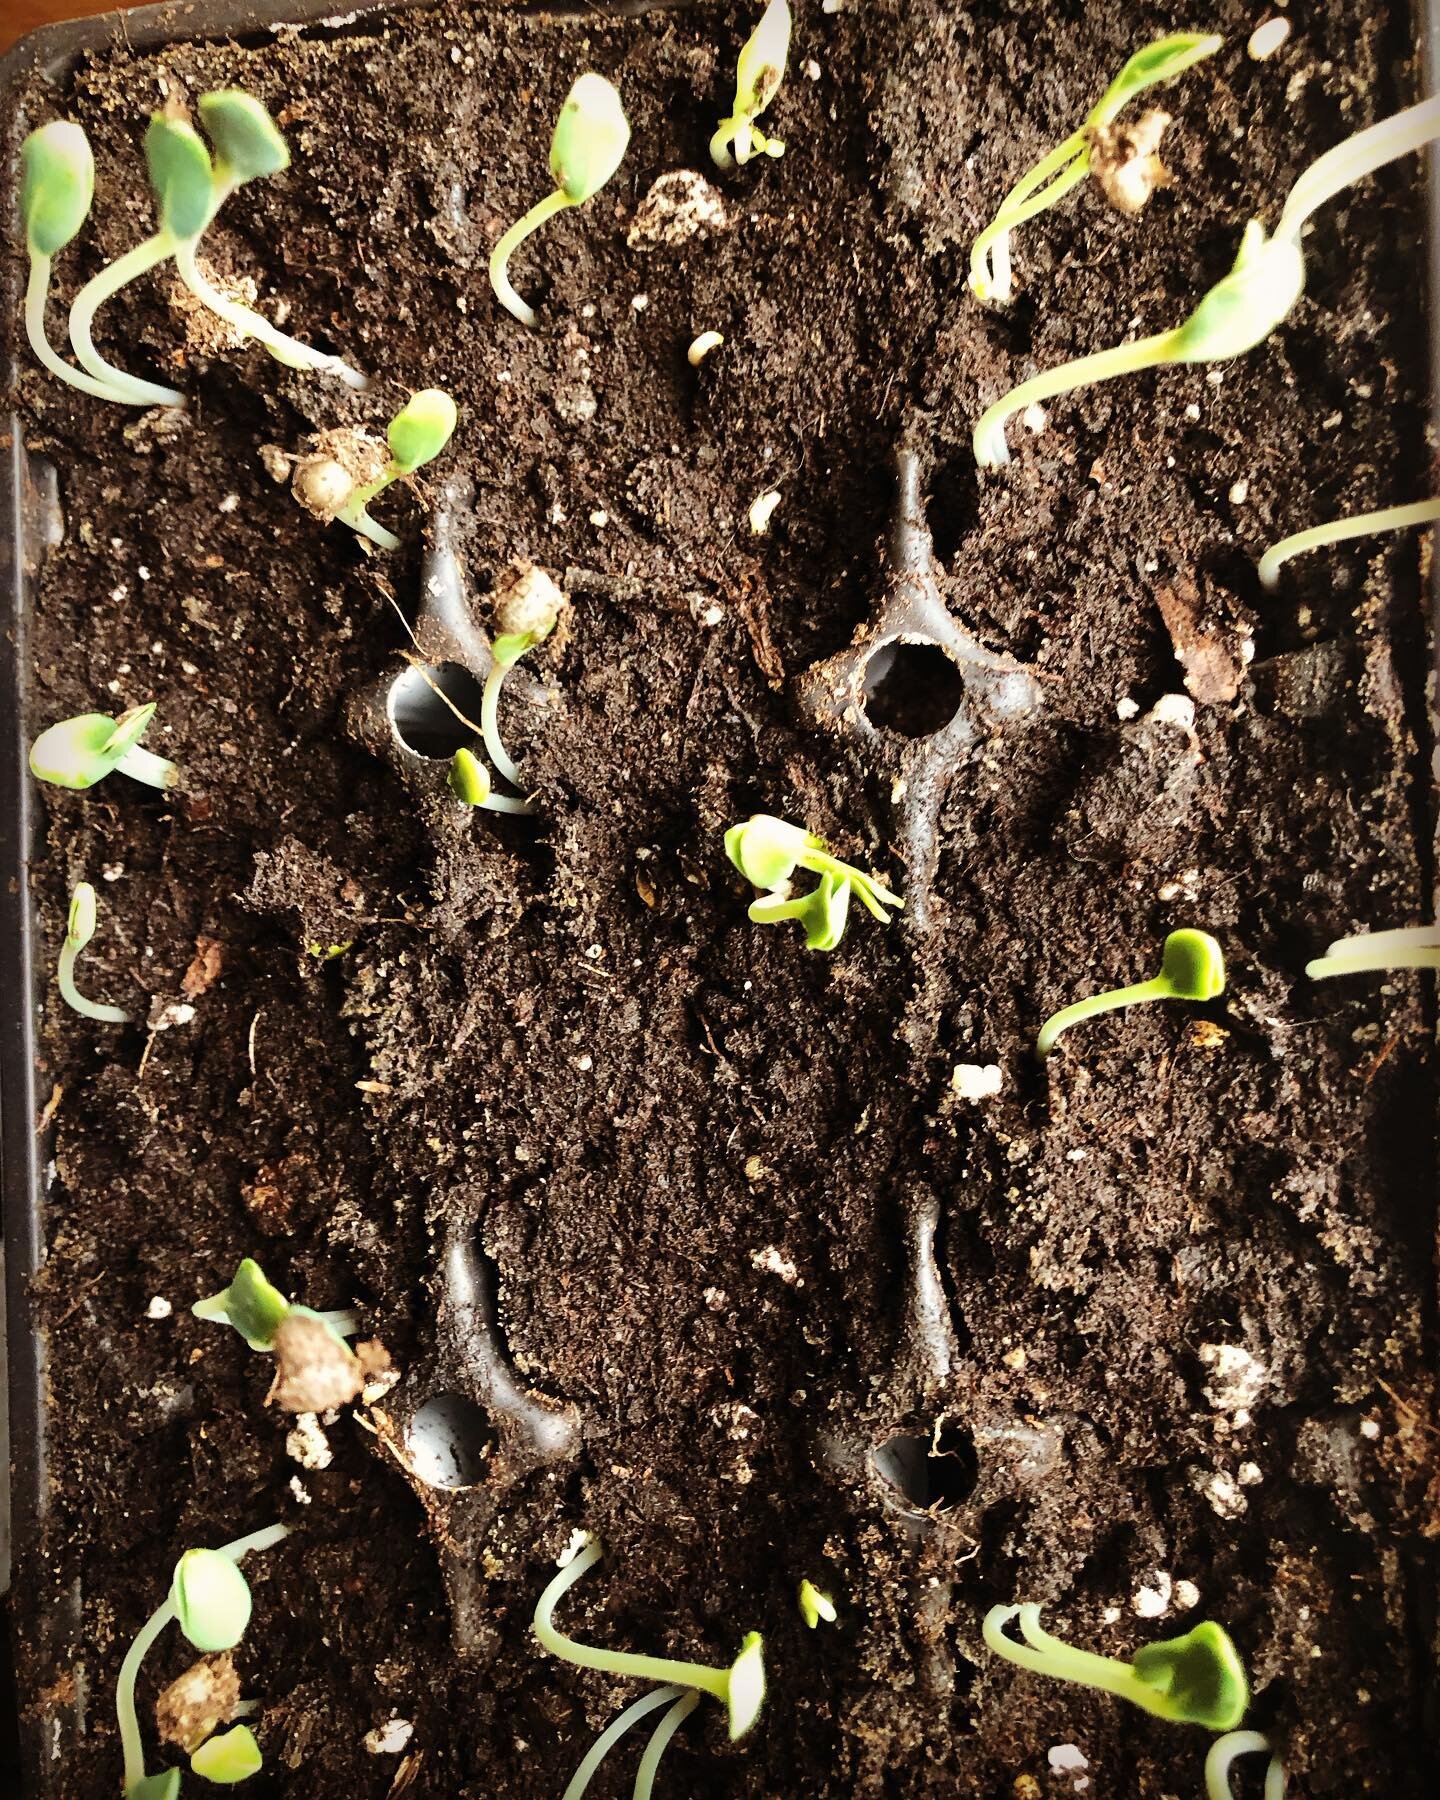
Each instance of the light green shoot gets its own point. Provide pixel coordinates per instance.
(527, 608)
(469, 780)
(589, 142)
(228, 1757)
(681, 1701)
(1337, 531)
(190, 187)
(1192, 967)
(57, 186)
(78, 752)
(257, 1310)
(1197, 1679)
(767, 851)
(1243, 308)
(1223, 1753)
(758, 75)
(78, 934)
(1411, 947)
(1068, 164)
(739, 1688)
(416, 435)
(210, 1601)
(815, 1606)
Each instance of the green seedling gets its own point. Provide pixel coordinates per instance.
(257, 1309)
(190, 187)
(57, 186)
(209, 1600)
(815, 1606)
(1411, 947)
(739, 1688)
(527, 608)
(1197, 1679)
(80, 930)
(1223, 1753)
(589, 142)
(758, 75)
(469, 781)
(228, 1757)
(416, 435)
(1337, 531)
(1192, 967)
(1243, 308)
(767, 851)
(1068, 164)
(78, 752)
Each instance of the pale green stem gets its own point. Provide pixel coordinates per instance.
(1223, 1753)
(490, 724)
(728, 132)
(660, 1742)
(354, 513)
(617, 1662)
(1357, 157)
(1390, 518)
(1275, 1780)
(1138, 995)
(249, 323)
(143, 765)
(1123, 359)
(37, 291)
(343, 1324)
(990, 253)
(507, 803)
(611, 1735)
(132, 1748)
(871, 893)
(510, 243)
(1407, 937)
(71, 995)
(1062, 1662)
(93, 296)
(1370, 963)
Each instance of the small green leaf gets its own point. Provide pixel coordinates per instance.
(1193, 965)
(761, 67)
(815, 1605)
(328, 952)
(1200, 1675)
(247, 142)
(77, 752)
(422, 429)
(745, 1691)
(180, 174)
(1245, 306)
(211, 1600)
(228, 1757)
(130, 727)
(590, 138)
(510, 646)
(164, 1786)
(469, 778)
(81, 926)
(822, 912)
(765, 849)
(57, 185)
(1163, 60)
(250, 1304)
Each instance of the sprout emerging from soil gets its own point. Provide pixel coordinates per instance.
(80, 930)
(315, 1369)
(415, 436)
(1223, 1753)
(1192, 968)
(590, 138)
(527, 607)
(57, 187)
(1337, 531)
(210, 1601)
(78, 752)
(229, 1757)
(190, 187)
(740, 1688)
(815, 1606)
(1133, 176)
(1197, 1679)
(767, 851)
(1412, 947)
(1243, 308)
(758, 75)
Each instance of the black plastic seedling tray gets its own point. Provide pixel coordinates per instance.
(49, 1724)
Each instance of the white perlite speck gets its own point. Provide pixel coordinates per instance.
(976, 1081)
(159, 1308)
(390, 1738)
(1266, 39)
(773, 1261)
(1237, 1379)
(1185, 1597)
(307, 1443)
(1152, 1599)
(761, 511)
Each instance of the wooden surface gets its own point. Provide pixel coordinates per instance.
(19, 16)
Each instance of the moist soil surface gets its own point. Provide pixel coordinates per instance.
(1159, 1314)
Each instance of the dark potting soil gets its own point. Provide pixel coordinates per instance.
(1178, 1360)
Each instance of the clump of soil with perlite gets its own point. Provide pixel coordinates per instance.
(736, 1255)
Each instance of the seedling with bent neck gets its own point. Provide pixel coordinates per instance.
(767, 851)
(415, 436)
(586, 149)
(78, 752)
(1339, 531)
(1192, 968)
(758, 75)
(79, 931)
(1197, 1679)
